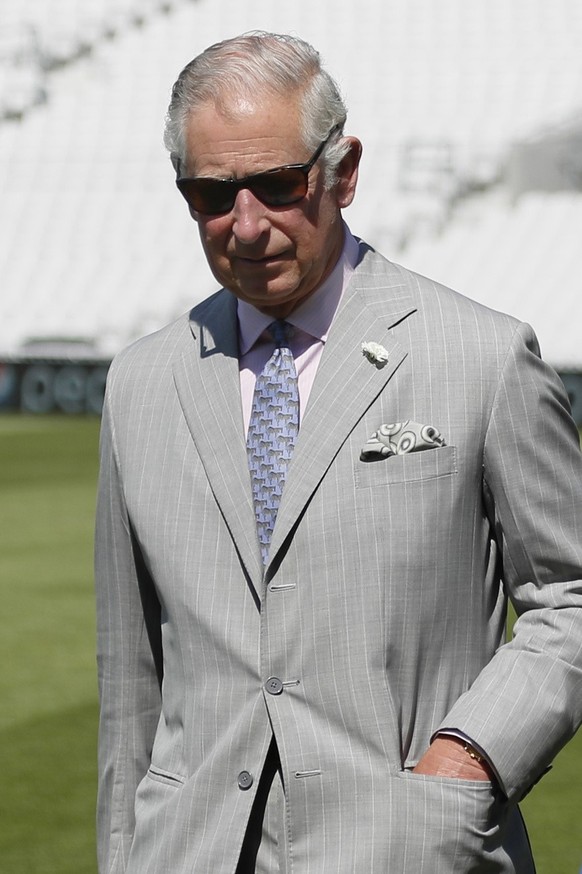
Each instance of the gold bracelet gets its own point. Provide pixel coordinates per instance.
(477, 757)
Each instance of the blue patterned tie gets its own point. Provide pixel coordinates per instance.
(273, 428)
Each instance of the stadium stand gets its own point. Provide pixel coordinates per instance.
(452, 101)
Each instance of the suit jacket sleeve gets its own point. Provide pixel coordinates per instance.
(128, 672)
(527, 702)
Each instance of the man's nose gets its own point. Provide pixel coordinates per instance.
(250, 218)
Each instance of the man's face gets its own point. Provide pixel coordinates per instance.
(272, 257)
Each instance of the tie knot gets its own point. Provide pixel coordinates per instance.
(281, 332)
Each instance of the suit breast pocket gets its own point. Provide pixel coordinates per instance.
(408, 468)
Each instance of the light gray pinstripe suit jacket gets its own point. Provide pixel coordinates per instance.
(382, 609)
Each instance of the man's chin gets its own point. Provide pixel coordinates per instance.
(277, 304)
(270, 296)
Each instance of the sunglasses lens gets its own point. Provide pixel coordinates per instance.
(208, 196)
(280, 187)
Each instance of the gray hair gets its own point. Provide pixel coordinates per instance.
(237, 69)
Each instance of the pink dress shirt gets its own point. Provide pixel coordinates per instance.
(312, 321)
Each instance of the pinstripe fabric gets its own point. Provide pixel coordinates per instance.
(381, 608)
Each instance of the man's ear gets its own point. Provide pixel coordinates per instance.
(347, 173)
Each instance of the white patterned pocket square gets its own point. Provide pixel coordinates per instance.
(400, 438)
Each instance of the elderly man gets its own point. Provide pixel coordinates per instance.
(318, 490)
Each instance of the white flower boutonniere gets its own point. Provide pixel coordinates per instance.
(375, 353)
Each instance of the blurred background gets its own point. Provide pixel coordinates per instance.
(470, 112)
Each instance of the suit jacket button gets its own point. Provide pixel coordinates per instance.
(274, 686)
(245, 780)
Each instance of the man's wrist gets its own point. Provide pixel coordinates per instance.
(447, 756)
(472, 749)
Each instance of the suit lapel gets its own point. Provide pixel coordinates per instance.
(346, 383)
(208, 385)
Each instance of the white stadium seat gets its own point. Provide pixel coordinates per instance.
(96, 242)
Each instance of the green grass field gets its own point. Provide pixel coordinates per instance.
(48, 718)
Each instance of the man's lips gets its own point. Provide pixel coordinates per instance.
(258, 260)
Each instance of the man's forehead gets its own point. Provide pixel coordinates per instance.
(270, 127)
(247, 113)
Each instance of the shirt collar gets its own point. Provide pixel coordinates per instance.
(315, 315)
